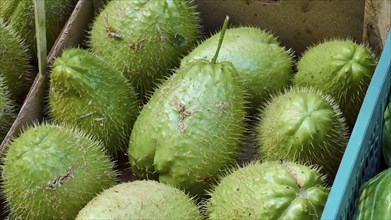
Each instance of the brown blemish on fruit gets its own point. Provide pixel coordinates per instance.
(183, 114)
(294, 174)
(110, 31)
(59, 180)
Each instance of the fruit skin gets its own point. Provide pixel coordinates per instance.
(269, 190)
(7, 112)
(145, 39)
(191, 128)
(375, 198)
(141, 200)
(386, 148)
(304, 125)
(14, 62)
(264, 66)
(51, 172)
(20, 14)
(340, 68)
(88, 93)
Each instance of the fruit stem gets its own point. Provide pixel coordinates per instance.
(225, 26)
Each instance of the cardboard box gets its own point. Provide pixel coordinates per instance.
(297, 23)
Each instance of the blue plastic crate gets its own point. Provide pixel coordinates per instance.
(363, 158)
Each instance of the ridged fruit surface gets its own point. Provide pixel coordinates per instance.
(303, 125)
(386, 148)
(20, 14)
(141, 200)
(88, 93)
(264, 66)
(375, 198)
(51, 172)
(341, 69)
(191, 128)
(269, 190)
(7, 113)
(14, 61)
(145, 39)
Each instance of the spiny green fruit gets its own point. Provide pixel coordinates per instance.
(20, 14)
(269, 190)
(88, 93)
(191, 128)
(303, 124)
(375, 198)
(340, 68)
(7, 113)
(51, 172)
(141, 200)
(386, 148)
(264, 66)
(145, 39)
(14, 61)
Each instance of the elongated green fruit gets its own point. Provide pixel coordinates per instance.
(7, 113)
(145, 39)
(375, 198)
(192, 126)
(341, 69)
(88, 93)
(51, 172)
(14, 62)
(269, 190)
(264, 66)
(304, 125)
(141, 200)
(20, 14)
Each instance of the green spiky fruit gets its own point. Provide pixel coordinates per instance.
(269, 190)
(386, 148)
(14, 61)
(88, 93)
(51, 172)
(141, 200)
(20, 14)
(7, 113)
(144, 39)
(340, 68)
(264, 66)
(303, 124)
(375, 198)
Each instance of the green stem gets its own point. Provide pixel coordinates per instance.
(225, 26)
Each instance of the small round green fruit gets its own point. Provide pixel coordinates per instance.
(304, 125)
(51, 172)
(341, 69)
(269, 190)
(141, 200)
(145, 39)
(88, 93)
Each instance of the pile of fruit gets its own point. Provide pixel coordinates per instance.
(180, 106)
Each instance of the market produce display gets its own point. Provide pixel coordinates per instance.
(82, 87)
(141, 200)
(148, 118)
(52, 171)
